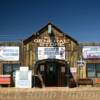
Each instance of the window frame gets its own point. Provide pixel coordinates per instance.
(95, 70)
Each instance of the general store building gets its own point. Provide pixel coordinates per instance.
(90, 53)
(10, 57)
(49, 52)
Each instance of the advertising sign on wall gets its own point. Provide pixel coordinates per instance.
(81, 63)
(91, 52)
(51, 53)
(9, 53)
(23, 78)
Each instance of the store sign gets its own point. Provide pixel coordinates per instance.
(23, 78)
(81, 63)
(9, 53)
(51, 53)
(46, 41)
(91, 52)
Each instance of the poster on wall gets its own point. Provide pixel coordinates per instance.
(9, 53)
(51, 53)
(91, 52)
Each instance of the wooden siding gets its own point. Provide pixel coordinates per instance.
(30, 48)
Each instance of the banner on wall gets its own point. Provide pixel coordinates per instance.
(51, 53)
(91, 52)
(9, 53)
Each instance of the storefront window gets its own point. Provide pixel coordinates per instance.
(91, 70)
(41, 68)
(52, 67)
(14, 68)
(98, 70)
(7, 69)
(10, 68)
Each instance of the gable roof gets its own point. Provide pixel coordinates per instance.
(46, 26)
(33, 36)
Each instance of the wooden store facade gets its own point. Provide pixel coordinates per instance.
(10, 57)
(10, 61)
(51, 53)
(90, 52)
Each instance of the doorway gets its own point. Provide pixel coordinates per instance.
(53, 72)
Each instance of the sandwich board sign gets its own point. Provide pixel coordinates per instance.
(23, 78)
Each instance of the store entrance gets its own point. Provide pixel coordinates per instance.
(53, 72)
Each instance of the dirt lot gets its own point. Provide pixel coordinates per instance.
(80, 93)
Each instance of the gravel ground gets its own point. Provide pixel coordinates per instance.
(79, 93)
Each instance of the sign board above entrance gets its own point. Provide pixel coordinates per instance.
(51, 53)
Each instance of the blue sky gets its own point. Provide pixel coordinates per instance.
(78, 18)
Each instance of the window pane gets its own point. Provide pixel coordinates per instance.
(91, 74)
(91, 70)
(7, 69)
(15, 67)
(41, 67)
(98, 70)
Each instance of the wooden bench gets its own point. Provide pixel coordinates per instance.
(5, 80)
(85, 81)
